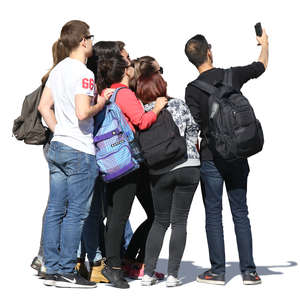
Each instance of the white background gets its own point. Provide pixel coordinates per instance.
(161, 29)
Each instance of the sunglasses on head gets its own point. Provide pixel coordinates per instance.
(91, 37)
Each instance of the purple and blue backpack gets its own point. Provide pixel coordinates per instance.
(113, 151)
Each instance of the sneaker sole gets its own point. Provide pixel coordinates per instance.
(121, 287)
(73, 285)
(148, 283)
(141, 277)
(49, 282)
(246, 282)
(111, 283)
(172, 284)
(211, 281)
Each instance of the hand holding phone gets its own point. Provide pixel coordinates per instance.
(258, 30)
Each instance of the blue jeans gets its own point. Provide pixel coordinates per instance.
(234, 174)
(72, 178)
(92, 229)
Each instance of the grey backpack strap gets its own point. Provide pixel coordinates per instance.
(204, 86)
(228, 77)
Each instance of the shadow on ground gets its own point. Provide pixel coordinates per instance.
(188, 272)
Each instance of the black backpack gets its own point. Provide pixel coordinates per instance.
(233, 130)
(28, 126)
(162, 146)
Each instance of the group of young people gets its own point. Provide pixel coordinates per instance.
(76, 89)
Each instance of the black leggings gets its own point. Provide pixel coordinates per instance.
(120, 196)
(136, 247)
(172, 197)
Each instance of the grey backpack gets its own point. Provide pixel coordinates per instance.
(28, 126)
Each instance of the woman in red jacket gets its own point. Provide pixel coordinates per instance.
(116, 72)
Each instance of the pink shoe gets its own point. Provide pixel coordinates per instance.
(137, 272)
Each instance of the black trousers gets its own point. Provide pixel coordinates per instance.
(172, 194)
(120, 196)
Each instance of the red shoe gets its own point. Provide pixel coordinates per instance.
(126, 268)
(159, 276)
(137, 272)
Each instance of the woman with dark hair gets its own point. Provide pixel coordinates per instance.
(92, 242)
(71, 155)
(116, 72)
(105, 49)
(172, 191)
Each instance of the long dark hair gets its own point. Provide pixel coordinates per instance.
(109, 71)
(104, 50)
(70, 37)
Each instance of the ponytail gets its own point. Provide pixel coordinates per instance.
(70, 36)
(143, 67)
(59, 53)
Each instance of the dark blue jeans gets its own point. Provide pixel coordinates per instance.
(234, 174)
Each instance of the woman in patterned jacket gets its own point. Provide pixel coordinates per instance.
(173, 191)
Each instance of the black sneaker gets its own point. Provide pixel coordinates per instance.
(36, 263)
(209, 277)
(50, 279)
(73, 280)
(250, 278)
(115, 276)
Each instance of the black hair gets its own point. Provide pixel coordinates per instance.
(196, 50)
(103, 50)
(110, 70)
(108, 48)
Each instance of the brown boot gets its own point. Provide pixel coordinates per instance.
(82, 269)
(96, 272)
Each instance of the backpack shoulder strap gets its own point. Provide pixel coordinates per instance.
(112, 99)
(204, 86)
(228, 77)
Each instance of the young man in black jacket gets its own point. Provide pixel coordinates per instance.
(214, 171)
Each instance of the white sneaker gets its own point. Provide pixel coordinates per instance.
(148, 280)
(172, 281)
